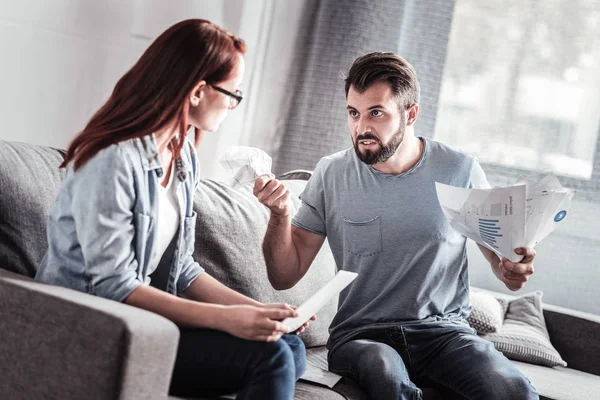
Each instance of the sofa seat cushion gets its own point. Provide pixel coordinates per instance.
(304, 391)
(560, 382)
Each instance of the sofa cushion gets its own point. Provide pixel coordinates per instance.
(304, 391)
(561, 383)
(523, 335)
(29, 182)
(487, 312)
(230, 228)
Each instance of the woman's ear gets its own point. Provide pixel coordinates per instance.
(197, 93)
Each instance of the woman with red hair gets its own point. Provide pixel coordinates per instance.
(125, 211)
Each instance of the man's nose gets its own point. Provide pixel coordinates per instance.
(362, 126)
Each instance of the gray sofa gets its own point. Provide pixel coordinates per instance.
(61, 344)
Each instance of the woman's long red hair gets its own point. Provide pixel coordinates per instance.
(153, 93)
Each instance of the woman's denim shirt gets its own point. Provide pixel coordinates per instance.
(103, 225)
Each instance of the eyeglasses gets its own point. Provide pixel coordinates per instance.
(234, 98)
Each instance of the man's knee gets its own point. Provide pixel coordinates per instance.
(377, 367)
(384, 364)
(510, 385)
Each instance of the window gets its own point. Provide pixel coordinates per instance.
(521, 86)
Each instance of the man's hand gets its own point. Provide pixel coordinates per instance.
(273, 194)
(515, 275)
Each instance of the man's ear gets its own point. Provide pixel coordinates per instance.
(197, 93)
(413, 113)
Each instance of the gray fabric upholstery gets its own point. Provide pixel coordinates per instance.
(61, 344)
(576, 336)
(523, 335)
(561, 383)
(335, 32)
(230, 228)
(29, 181)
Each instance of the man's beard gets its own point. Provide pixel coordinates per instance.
(385, 151)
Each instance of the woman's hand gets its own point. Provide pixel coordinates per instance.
(261, 323)
(279, 305)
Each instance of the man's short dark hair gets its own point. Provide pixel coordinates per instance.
(385, 67)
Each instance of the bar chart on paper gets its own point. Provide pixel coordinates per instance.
(505, 218)
(490, 231)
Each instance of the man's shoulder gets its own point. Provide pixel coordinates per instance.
(336, 161)
(448, 154)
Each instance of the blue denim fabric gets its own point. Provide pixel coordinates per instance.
(391, 363)
(212, 363)
(102, 228)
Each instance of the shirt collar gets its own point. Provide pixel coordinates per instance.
(148, 148)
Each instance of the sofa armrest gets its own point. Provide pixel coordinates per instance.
(576, 336)
(59, 343)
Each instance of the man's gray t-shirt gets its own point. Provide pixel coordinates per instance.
(390, 229)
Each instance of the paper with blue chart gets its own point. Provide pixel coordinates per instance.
(503, 219)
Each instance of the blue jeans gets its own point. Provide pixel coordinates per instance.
(391, 363)
(212, 363)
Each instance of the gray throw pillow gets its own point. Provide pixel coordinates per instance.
(523, 336)
(29, 182)
(230, 229)
(487, 312)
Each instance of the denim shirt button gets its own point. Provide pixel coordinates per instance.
(181, 172)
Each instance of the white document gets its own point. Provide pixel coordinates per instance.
(503, 219)
(546, 205)
(246, 164)
(319, 299)
(320, 376)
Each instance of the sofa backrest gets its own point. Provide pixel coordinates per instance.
(29, 182)
(230, 229)
(229, 232)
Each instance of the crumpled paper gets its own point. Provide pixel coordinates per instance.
(246, 164)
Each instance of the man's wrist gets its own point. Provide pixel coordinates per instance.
(278, 219)
(494, 263)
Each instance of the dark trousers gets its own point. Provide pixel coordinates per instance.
(392, 363)
(212, 363)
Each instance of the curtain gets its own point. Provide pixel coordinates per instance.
(333, 35)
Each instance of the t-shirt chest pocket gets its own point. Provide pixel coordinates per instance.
(362, 237)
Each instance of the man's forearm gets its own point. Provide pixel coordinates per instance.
(281, 256)
(493, 259)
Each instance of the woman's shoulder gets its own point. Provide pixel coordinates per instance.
(109, 161)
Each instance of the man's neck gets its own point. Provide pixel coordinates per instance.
(406, 156)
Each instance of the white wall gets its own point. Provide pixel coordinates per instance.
(62, 58)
